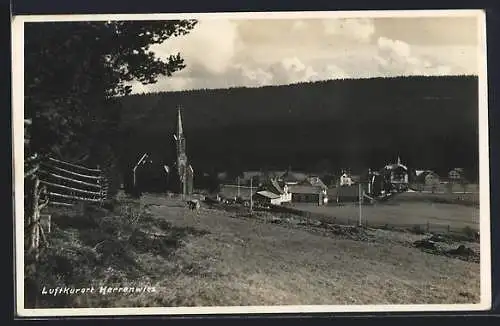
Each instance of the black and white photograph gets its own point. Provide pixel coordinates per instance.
(271, 162)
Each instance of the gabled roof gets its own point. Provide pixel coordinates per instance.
(304, 189)
(276, 186)
(267, 194)
(422, 176)
(273, 186)
(396, 166)
(419, 172)
(314, 181)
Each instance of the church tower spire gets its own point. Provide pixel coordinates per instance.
(184, 171)
(179, 123)
(179, 135)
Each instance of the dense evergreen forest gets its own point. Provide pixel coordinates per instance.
(430, 122)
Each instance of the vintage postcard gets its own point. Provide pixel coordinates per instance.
(235, 163)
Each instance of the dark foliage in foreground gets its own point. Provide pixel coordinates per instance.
(73, 73)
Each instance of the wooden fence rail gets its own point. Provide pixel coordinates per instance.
(58, 183)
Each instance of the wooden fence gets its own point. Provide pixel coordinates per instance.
(52, 182)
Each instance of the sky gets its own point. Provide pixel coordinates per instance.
(223, 53)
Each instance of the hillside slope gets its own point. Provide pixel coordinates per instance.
(429, 121)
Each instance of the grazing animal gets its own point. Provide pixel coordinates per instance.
(193, 204)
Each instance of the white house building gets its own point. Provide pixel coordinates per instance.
(346, 179)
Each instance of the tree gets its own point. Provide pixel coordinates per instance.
(74, 72)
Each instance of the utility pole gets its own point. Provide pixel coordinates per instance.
(251, 196)
(360, 203)
(136, 166)
(238, 186)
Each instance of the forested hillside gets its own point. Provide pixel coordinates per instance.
(431, 122)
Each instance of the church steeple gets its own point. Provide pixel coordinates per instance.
(179, 123)
(185, 173)
(179, 135)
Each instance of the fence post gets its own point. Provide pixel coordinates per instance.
(105, 188)
(33, 221)
(428, 227)
(101, 182)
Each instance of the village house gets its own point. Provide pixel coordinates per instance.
(314, 181)
(426, 177)
(456, 174)
(345, 179)
(343, 194)
(397, 175)
(258, 177)
(309, 194)
(271, 192)
(266, 198)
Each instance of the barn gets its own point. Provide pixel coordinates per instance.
(309, 194)
(272, 186)
(265, 197)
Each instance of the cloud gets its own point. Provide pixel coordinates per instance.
(360, 29)
(294, 70)
(396, 57)
(212, 44)
(222, 53)
(290, 70)
(254, 77)
(335, 72)
(400, 48)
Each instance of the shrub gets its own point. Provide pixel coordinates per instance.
(469, 232)
(418, 229)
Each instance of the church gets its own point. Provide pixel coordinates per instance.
(182, 173)
(151, 174)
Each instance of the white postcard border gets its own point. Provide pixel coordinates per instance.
(18, 169)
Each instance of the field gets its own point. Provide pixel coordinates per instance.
(447, 188)
(220, 257)
(439, 212)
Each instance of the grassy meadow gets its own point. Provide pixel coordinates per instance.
(217, 257)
